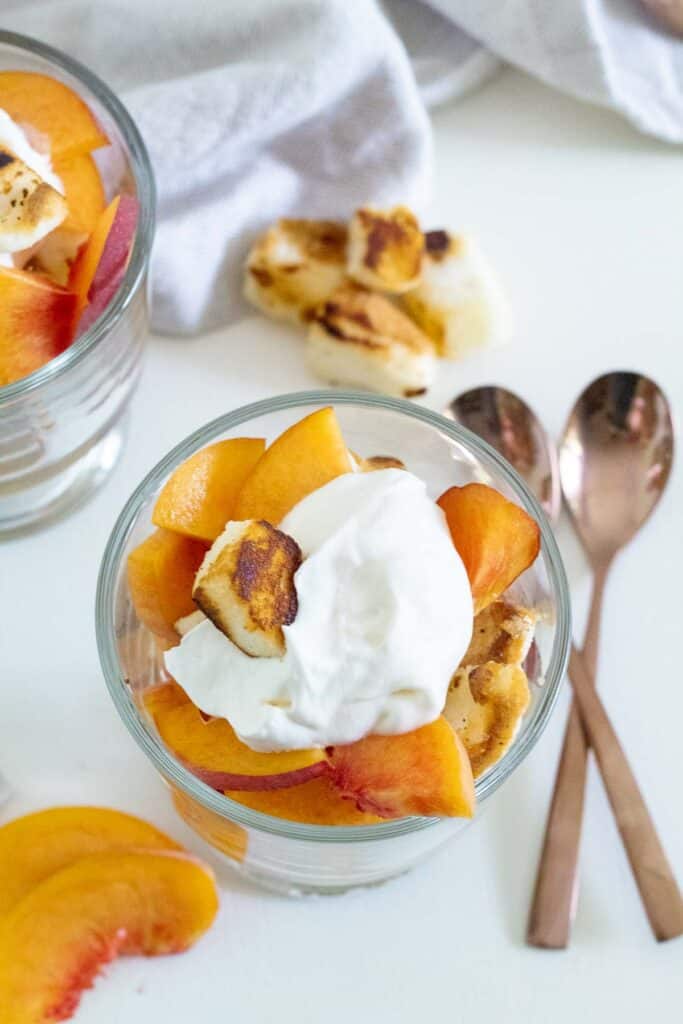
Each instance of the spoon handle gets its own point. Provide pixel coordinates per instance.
(655, 879)
(554, 900)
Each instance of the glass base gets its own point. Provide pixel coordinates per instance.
(64, 487)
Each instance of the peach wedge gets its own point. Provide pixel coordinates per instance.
(37, 322)
(199, 498)
(309, 454)
(161, 572)
(86, 263)
(84, 191)
(163, 697)
(425, 772)
(317, 802)
(33, 847)
(214, 753)
(56, 939)
(496, 539)
(37, 845)
(48, 106)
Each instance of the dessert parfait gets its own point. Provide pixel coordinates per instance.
(339, 648)
(64, 243)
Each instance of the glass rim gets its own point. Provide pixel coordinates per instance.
(144, 178)
(180, 777)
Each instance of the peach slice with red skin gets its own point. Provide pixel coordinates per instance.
(55, 940)
(49, 106)
(35, 846)
(199, 497)
(496, 539)
(86, 263)
(113, 261)
(37, 321)
(161, 572)
(305, 457)
(212, 751)
(424, 772)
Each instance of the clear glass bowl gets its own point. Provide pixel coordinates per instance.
(62, 427)
(285, 855)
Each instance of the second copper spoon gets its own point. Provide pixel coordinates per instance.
(624, 409)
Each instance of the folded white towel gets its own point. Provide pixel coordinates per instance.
(257, 108)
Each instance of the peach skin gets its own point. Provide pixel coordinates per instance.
(214, 753)
(425, 772)
(77, 920)
(37, 322)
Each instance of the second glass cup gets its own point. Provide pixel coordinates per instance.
(62, 427)
(286, 855)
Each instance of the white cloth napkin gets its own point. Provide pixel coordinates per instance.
(253, 109)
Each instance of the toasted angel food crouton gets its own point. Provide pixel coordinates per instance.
(485, 704)
(502, 632)
(459, 302)
(360, 338)
(294, 267)
(29, 207)
(245, 585)
(385, 249)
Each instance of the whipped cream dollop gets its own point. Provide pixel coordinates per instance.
(384, 618)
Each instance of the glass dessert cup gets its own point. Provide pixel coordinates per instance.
(286, 855)
(63, 426)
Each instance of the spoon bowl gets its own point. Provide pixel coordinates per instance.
(507, 423)
(615, 460)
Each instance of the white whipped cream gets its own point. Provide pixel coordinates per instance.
(14, 138)
(384, 618)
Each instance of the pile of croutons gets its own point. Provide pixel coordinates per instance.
(381, 299)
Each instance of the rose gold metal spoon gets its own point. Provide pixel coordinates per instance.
(615, 461)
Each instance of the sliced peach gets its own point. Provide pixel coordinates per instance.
(54, 942)
(37, 321)
(161, 574)
(496, 539)
(309, 454)
(86, 263)
(48, 106)
(214, 753)
(163, 697)
(425, 772)
(37, 845)
(83, 189)
(199, 498)
(314, 803)
(113, 261)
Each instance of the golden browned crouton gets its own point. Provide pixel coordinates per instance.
(484, 705)
(502, 632)
(385, 249)
(245, 585)
(458, 302)
(294, 267)
(29, 207)
(359, 338)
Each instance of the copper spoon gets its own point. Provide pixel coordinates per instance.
(488, 412)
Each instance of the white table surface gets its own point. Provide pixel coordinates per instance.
(584, 220)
